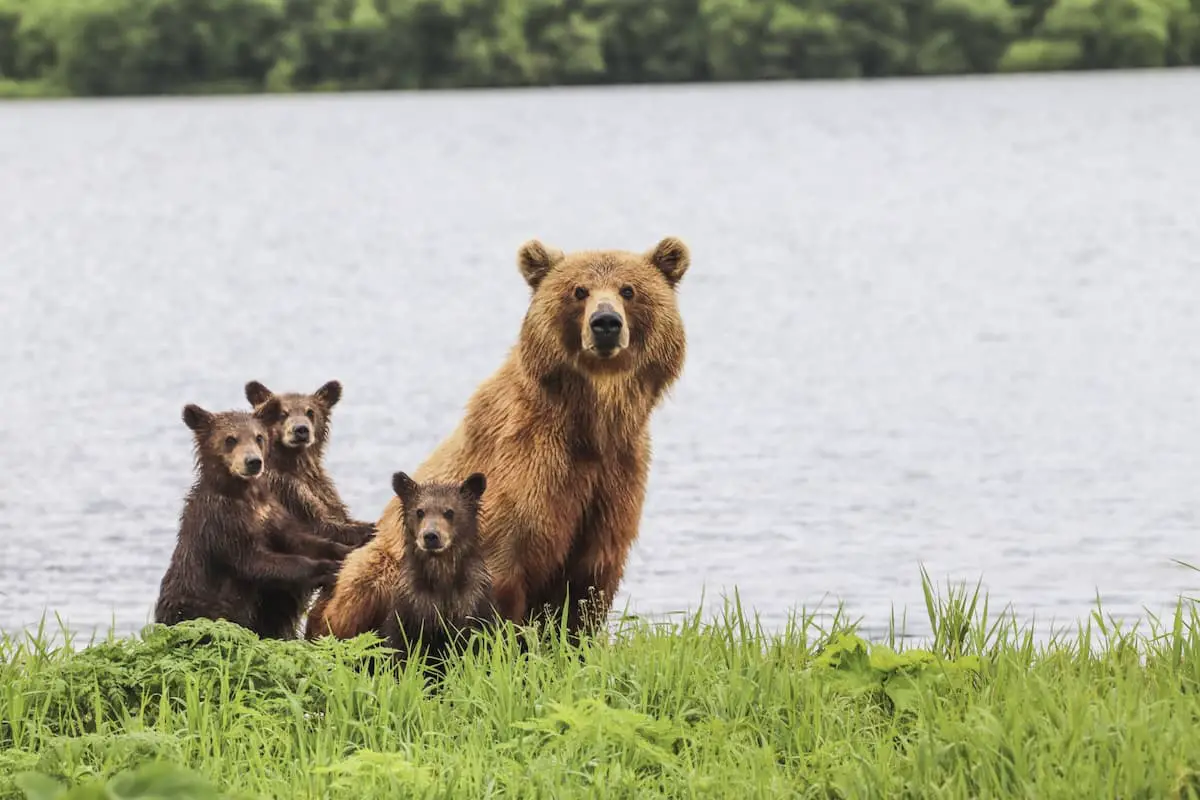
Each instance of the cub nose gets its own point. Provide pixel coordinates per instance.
(301, 433)
(432, 540)
(606, 328)
(253, 465)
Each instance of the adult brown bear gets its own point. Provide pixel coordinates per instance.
(561, 430)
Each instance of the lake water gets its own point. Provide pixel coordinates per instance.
(942, 322)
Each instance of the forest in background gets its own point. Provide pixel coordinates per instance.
(140, 47)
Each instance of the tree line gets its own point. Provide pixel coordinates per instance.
(134, 47)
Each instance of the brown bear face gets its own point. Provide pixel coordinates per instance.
(603, 311)
(305, 420)
(233, 442)
(438, 517)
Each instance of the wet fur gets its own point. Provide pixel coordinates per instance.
(564, 441)
(441, 598)
(297, 475)
(378, 580)
(238, 549)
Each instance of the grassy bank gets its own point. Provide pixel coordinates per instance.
(132, 47)
(690, 710)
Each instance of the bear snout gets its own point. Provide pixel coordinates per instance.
(253, 465)
(606, 329)
(297, 433)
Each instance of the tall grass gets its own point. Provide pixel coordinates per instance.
(687, 709)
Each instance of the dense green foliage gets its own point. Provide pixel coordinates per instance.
(107, 47)
(688, 710)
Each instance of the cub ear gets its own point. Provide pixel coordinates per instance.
(472, 488)
(257, 394)
(535, 260)
(196, 418)
(329, 394)
(672, 258)
(270, 412)
(404, 487)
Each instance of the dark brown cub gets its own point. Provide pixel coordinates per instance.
(297, 473)
(238, 547)
(445, 590)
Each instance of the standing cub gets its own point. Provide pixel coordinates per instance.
(296, 473)
(432, 563)
(445, 591)
(238, 549)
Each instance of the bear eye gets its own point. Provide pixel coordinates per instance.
(259, 440)
(420, 513)
(309, 413)
(627, 292)
(230, 441)
(448, 514)
(581, 293)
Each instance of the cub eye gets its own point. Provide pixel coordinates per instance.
(259, 440)
(448, 514)
(230, 441)
(581, 293)
(627, 292)
(420, 513)
(309, 413)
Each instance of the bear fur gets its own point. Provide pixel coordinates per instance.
(393, 575)
(295, 469)
(445, 592)
(238, 549)
(562, 432)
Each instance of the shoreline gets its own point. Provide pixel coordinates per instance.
(33, 92)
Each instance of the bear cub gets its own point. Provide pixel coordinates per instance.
(296, 472)
(445, 591)
(238, 548)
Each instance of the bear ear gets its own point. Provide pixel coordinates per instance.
(257, 394)
(329, 394)
(196, 418)
(672, 258)
(404, 487)
(270, 412)
(535, 261)
(472, 488)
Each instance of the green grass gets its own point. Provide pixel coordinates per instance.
(691, 709)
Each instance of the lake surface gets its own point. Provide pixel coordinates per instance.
(942, 322)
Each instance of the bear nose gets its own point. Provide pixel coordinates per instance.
(606, 327)
(432, 540)
(253, 465)
(301, 433)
